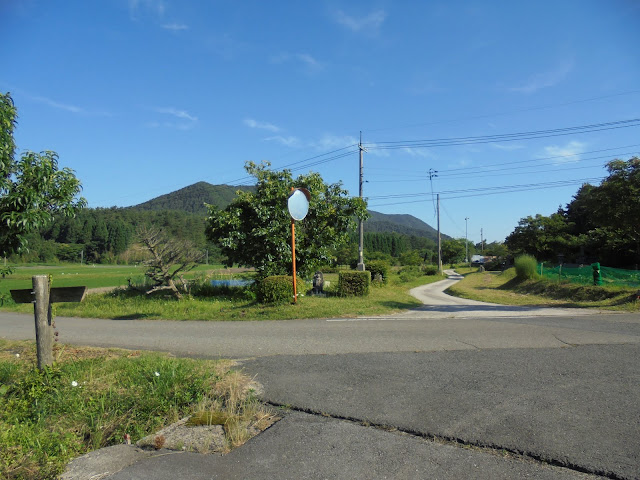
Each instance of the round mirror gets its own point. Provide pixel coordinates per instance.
(298, 204)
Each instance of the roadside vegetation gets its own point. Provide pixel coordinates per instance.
(215, 303)
(92, 398)
(508, 288)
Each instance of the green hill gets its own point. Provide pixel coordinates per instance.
(191, 199)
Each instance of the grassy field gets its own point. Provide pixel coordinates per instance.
(505, 288)
(126, 304)
(91, 276)
(92, 397)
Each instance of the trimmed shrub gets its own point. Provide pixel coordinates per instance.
(430, 269)
(526, 267)
(354, 284)
(277, 289)
(378, 267)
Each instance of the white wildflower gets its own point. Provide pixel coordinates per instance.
(17, 355)
(157, 374)
(74, 384)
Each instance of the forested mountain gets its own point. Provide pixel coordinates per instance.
(107, 234)
(192, 199)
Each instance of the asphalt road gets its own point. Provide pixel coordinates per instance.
(441, 392)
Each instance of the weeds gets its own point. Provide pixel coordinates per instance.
(99, 397)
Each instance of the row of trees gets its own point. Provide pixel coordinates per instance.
(600, 223)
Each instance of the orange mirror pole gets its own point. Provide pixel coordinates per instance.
(293, 250)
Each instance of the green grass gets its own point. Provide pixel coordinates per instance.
(505, 288)
(390, 298)
(92, 397)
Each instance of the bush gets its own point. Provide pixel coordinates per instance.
(354, 284)
(409, 273)
(378, 267)
(526, 267)
(430, 269)
(277, 289)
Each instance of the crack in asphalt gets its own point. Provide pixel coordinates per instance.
(488, 448)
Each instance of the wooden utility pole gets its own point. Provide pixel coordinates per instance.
(439, 242)
(361, 223)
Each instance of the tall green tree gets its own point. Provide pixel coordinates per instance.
(255, 229)
(32, 189)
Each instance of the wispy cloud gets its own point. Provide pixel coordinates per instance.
(545, 79)
(509, 147)
(250, 122)
(289, 141)
(138, 7)
(370, 22)
(310, 64)
(569, 153)
(185, 119)
(58, 105)
(175, 27)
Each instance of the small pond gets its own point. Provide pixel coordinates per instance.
(231, 283)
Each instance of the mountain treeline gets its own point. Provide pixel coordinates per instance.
(601, 223)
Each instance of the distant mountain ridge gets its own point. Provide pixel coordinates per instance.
(192, 199)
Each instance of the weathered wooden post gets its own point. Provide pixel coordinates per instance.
(42, 313)
(42, 297)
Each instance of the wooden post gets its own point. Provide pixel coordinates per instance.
(42, 313)
(293, 250)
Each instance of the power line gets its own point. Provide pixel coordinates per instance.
(481, 191)
(508, 137)
(478, 117)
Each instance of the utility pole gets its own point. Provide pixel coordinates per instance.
(439, 242)
(481, 242)
(361, 223)
(466, 239)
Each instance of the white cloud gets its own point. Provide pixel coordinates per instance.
(309, 62)
(373, 21)
(509, 147)
(289, 141)
(545, 79)
(182, 114)
(58, 105)
(570, 153)
(175, 27)
(186, 120)
(155, 7)
(250, 122)
(332, 142)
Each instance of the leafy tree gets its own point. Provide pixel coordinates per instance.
(32, 189)
(255, 229)
(453, 250)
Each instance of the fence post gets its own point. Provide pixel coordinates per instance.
(42, 313)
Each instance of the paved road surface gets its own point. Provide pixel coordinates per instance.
(368, 394)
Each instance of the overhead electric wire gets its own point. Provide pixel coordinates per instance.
(440, 142)
(499, 114)
(483, 191)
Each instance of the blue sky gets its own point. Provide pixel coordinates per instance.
(143, 97)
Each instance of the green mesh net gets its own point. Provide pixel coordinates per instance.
(584, 275)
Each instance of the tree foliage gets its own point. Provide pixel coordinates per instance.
(32, 189)
(600, 223)
(255, 229)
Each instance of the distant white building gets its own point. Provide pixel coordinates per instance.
(479, 259)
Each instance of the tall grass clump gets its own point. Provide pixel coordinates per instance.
(526, 267)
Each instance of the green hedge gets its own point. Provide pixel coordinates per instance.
(378, 267)
(275, 290)
(430, 269)
(354, 284)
